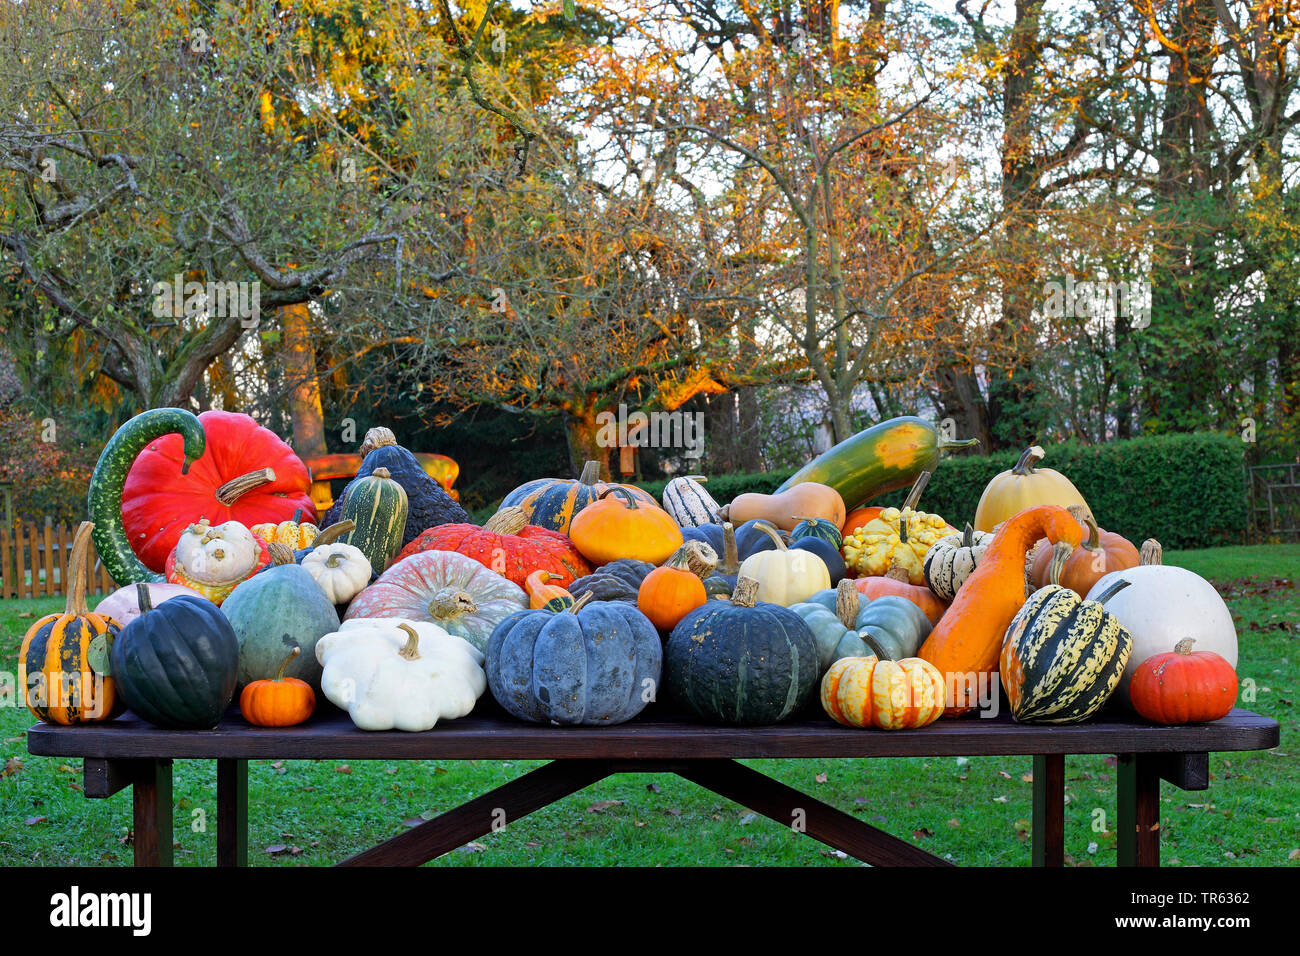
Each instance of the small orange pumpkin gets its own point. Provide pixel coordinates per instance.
(669, 593)
(278, 702)
(1183, 686)
(1103, 551)
(860, 516)
(617, 525)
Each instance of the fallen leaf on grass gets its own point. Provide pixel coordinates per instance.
(999, 799)
(652, 787)
(1022, 830)
(64, 768)
(278, 766)
(821, 777)
(1111, 762)
(342, 768)
(747, 819)
(531, 845)
(275, 849)
(1004, 775)
(12, 766)
(1294, 855)
(675, 813)
(954, 823)
(837, 854)
(1026, 778)
(471, 848)
(600, 806)
(25, 614)
(922, 833)
(32, 821)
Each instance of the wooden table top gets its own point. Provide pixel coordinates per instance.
(330, 735)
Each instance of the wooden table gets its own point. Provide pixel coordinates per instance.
(128, 752)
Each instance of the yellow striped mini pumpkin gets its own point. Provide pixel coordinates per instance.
(1063, 656)
(888, 695)
(294, 534)
(59, 685)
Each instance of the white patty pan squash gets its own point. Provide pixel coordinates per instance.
(396, 674)
(341, 570)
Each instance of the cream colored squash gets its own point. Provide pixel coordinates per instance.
(341, 570)
(785, 576)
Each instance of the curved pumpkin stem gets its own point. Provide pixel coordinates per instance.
(509, 520)
(449, 603)
(913, 496)
(947, 444)
(1151, 553)
(279, 672)
(1028, 458)
(334, 532)
(1061, 552)
(411, 652)
(281, 554)
(629, 499)
(772, 533)
(848, 603)
(1118, 585)
(576, 606)
(231, 491)
(76, 603)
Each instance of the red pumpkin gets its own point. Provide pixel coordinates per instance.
(229, 482)
(1183, 686)
(509, 546)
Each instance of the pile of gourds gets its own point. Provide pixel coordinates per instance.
(582, 602)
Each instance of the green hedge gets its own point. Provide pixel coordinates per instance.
(1186, 490)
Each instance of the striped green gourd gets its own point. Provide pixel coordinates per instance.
(104, 500)
(1063, 656)
(377, 505)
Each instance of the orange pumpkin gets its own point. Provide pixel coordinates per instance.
(896, 581)
(887, 695)
(860, 516)
(1102, 552)
(278, 702)
(669, 593)
(618, 525)
(967, 643)
(1183, 686)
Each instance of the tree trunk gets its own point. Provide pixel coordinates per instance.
(584, 444)
(304, 397)
(748, 457)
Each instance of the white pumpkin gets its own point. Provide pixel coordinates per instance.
(341, 570)
(215, 556)
(123, 605)
(785, 576)
(690, 505)
(396, 674)
(1163, 605)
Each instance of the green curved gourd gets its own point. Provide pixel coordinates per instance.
(104, 500)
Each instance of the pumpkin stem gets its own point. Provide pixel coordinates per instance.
(228, 493)
(968, 536)
(1151, 553)
(1028, 458)
(1184, 646)
(1116, 586)
(730, 554)
(700, 478)
(279, 673)
(1061, 552)
(576, 606)
(281, 554)
(377, 437)
(745, 593)
(334, 560)
(411, 652)
(1094, 533)
(334, 532)
(450, 602)
(913, 496)
(629, 500)
(76, 603)
(875, 646)
(848, 602)
(948, 443)
(696, 557)
(142, 598)
(590, 473)
(772, 533)
(381, 473)
(509, 520)
(897, 572)
(297, 516)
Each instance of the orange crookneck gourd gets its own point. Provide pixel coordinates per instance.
(967, 641)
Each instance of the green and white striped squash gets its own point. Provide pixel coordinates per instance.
(377, 504)
(1063, 656)
(828, 531)
(689, 504)
(951, 559)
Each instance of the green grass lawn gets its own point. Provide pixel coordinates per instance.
(973, 811)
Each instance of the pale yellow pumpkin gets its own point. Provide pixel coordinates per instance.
(784, 576)
(888, 695)
(1024, 487)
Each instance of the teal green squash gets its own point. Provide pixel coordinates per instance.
(377, 506)
(887, 456)
(275, 611)
(104, 499)
(846, 625)
(176, 664)
(742, 662)
(1063, 656)
(818, 528)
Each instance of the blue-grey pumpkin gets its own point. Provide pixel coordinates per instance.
(742, 662)
(592, 665)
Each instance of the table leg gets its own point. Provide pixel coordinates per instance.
(1049, 810)
(151, 798)
(1139, 810)
(232, 812)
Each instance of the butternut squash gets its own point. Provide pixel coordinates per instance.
(785, 509)
(967, 642)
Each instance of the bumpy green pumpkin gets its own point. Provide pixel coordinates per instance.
(175, 665)
(275, 611)
(617, 581)
(593, 665)
(847, 625)
(742, 662)
(1063, 656)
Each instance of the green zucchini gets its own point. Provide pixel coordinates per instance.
(886, 456)
(104, 500)
(378, 506)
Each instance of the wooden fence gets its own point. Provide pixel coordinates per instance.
(34, 562)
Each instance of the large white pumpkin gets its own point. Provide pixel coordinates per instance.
(1163, 605)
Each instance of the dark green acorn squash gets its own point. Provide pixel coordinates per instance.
(818, 528)
(592, 665)
(617, 581)
(741, 662)
(176, 665)
(377, 508)
(428, 504)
